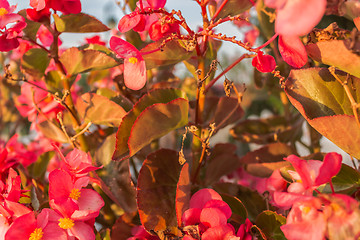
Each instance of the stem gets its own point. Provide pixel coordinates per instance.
(66, 83)
(354, 104)
(208, 86)
(267, 42)
(219, 10)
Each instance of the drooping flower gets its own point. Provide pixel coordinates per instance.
(296, 17)
(292, 51)
(134, 64)
(264, 63)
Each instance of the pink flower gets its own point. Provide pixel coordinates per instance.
(9, 34)
(209, 212)
(95, 40)
(74, 228)
(77, 163)
(305, 221)
(161, 29)
(27, 227)
(292, 51)
(69, 198)
(295, 17)
(134, 64)
(264, 63)
(139, 22)
(308, 175)
(32, 98)
(66, 6)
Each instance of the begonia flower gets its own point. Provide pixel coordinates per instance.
(69, 198)
(11, 26)
(28, 108)
(75, 228)
(66, 6)
(292, 51)
(305, 221)
(134, 64)
(95, 40)
(264, 63)
(29, 227)
(160, 29)
(296, 17)
(308, 175)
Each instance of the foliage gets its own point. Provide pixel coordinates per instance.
(108, 140)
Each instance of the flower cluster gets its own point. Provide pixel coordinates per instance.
(73, 206)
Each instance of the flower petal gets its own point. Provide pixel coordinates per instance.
(293, 51)
(299, 17)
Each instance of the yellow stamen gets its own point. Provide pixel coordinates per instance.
(133, 60)
(3, 11)
(66, 223)
(335, 206)
(306, 209)
(37, 234)
(75, 194)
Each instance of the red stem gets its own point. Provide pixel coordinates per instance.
(225, 71)
(267, 42)
(219, 10)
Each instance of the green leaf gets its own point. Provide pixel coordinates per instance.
(156, 96)
(222, 161)
(348, 179)
(115, 176)
(156, 121)
(38, 169)
(78, 61)
(237, 207)
(262, 162)
(78, 23)
(34, 62)
(50, 130)
(31, 28)
(173, 52)
(324, 104)
(234, 7)
(336, 53)
(99, 110)
(269, 222)
(156, 190)
(268, 130)
(253, 202)
(53, 81)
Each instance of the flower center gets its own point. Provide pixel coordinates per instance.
(37, 234)
(75, 194)
(133, 60)
(66, 223)
(3, 11)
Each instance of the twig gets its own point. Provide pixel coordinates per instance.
(73, 138)
(208, 86)
(59, 117)
(354, 104)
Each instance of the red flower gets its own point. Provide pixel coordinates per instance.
(292, 51)
(296, 18)
(9, 34)
(160, 29)
(69, 198)
(27, 227)
(264, 63)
